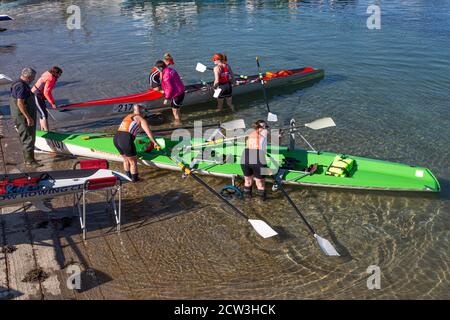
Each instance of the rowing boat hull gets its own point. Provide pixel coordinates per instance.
(370, 174)
(195, 94)
(59, 183)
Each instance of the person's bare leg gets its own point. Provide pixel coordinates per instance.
(248, 181)
(44, 124)
(261, 184)
(126, 164)
(133, 165)
(230, 103)
(248, 184)
(219, 104)
(176, 115)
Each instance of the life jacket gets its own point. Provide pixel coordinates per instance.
(341, 167)
(129, 125)
(44, 86)
(256, 141)
(224, 74)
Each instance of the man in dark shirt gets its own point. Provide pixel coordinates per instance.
(23, 112)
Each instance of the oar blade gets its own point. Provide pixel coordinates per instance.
(272, 117)
(201, 67)
(5, 77)
(161, 142)
(326, 246)
(321, 124)
(234, 125)
(262, 228)
(4, 17)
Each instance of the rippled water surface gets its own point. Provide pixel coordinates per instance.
(388, 91)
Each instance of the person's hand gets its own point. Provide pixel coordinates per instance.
(30, 121)
(54, 106)
(157, 147)
(166, 101)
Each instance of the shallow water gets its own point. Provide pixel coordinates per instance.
(387, 90)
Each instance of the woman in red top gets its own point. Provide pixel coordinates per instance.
(223, 80)
(42, 90)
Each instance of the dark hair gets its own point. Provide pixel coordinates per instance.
(56, 71)
(161, 65)
(259, 124)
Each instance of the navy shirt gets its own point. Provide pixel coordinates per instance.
(20, 90)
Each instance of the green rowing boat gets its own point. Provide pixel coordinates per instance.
(292, 165)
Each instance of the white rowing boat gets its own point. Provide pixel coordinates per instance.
(37, 186)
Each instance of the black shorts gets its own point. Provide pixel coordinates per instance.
(227, 90)
(41, 106)
(124, 142)
(253, 163)
(177, 102)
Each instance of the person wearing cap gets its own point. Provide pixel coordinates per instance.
(42, 91)
(124, 140)
(223, 81)
(253, 160)
(173, 89)
(155, 74)
(23, 113)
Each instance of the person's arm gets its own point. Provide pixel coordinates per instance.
(49, 85)
(216, 76)
(146, 128)
(23, 109)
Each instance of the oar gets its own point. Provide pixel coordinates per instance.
(261, 227)
(271, 117)
(230, 125)
(315, 125)
(4, 17)
(5, 77)
(324, 244)
(202, 68)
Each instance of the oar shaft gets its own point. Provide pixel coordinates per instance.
(262, 84)
(187, 128)
(214, 192)
(281, 187)
(204, 184)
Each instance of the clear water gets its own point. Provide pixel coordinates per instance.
(387, 90)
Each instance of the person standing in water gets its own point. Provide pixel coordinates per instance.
(155, 74)
(223, 80)
(253, 161)
(42, 91)
(173, 89)
(23, 113)
(124, 140)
